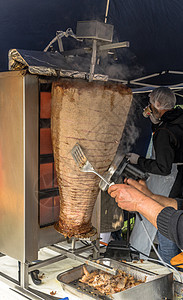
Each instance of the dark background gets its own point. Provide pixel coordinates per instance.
(153, 28)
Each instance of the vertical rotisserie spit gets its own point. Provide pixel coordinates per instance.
(92, 114)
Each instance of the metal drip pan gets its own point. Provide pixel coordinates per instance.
(156, 286)
(178, 290)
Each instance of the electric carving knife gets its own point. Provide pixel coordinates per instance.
(120, 170)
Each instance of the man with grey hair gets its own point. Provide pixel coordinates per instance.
(166, 164)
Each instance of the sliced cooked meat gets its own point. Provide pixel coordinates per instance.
(109, 284)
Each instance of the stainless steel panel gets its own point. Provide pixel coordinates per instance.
(49, 236)
(31, 138)
(178, 290)
(160, 288)
(18, 155)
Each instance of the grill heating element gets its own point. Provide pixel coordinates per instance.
(49, 204)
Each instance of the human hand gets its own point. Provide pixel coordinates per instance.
(139, 185)
(132, 199)
(133, 158)
(126, 196)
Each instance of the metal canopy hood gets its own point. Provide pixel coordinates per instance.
(53, 64)
(82, 62)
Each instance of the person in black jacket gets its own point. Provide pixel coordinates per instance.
(168, 152)
(159, 210)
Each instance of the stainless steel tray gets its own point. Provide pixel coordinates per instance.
(156, 286)
(178, 290)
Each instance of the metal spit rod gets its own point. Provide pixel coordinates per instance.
(83, 260)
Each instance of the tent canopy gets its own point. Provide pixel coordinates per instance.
(153, 28)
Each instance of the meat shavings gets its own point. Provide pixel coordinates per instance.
(53, 293)
(109, 284)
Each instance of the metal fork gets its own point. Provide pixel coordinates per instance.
(83, 163)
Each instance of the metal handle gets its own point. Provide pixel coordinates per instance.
(101, 177)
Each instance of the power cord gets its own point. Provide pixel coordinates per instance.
(168, 266)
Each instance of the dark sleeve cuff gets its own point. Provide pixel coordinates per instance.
(179, 203)
(163, 220)
(140, 162)
(170, 224)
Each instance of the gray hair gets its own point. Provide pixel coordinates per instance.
(162, 98)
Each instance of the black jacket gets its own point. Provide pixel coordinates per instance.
(170, 224)
(168, 146)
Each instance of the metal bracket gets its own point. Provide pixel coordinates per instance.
(114, 46)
